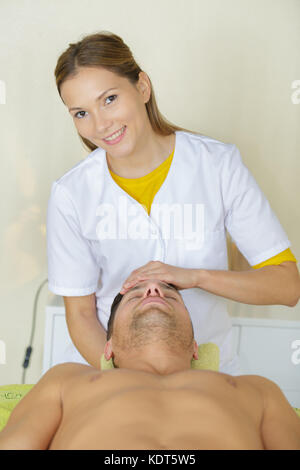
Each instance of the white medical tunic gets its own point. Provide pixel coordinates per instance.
(97, 234)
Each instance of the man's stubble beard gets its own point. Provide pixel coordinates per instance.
(153, 325)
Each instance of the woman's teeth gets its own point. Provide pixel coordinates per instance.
(117, 134)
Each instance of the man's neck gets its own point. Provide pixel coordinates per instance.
(156, 363)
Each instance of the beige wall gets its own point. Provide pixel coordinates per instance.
(222, 67)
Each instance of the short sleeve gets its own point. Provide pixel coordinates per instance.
(72, 267)
(249, 218)
(285, 255)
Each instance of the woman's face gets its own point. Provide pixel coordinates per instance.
(102, 103)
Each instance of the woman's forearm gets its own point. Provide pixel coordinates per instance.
(269, 285)
(89, 337)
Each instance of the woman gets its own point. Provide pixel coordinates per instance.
(126, 211)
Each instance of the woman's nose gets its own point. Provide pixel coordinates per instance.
(102, 127)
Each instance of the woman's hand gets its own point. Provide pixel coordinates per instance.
(182, 278)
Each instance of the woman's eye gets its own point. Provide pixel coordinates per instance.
(111, 96)
(80, 116)
(77, 114)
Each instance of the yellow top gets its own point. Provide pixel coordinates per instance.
(144, 189)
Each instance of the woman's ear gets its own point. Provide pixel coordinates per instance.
(144, 86)
(108, 352)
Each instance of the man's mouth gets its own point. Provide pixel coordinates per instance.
(154, 299)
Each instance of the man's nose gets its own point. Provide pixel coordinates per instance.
(153, 290)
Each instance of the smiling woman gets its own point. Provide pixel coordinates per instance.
(107, 53)
(107, 224)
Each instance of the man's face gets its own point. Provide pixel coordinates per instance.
(151, 313)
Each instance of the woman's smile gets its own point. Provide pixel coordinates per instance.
(116, 137)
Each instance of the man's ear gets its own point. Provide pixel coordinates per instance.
(108, 352)
(195, 354)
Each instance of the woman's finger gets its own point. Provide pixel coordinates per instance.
(131, 281)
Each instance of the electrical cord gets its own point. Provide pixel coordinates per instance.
(29, 348)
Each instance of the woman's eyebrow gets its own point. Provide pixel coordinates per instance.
(99, 97)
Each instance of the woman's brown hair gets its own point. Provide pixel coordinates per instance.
(107, 50)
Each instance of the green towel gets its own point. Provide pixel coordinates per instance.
(10, 395)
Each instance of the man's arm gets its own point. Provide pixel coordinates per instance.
(280, 426)
(34, 421)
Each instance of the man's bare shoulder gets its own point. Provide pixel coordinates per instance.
(240, 381)
(67, 370)
(257, 381)
(280, 427)
(268, 389)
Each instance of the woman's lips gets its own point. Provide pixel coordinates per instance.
(118, 139)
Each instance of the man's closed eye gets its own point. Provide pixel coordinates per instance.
(139, 296)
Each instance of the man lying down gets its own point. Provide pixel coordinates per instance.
(152, 399)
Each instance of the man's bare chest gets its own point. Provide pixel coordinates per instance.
(142, 409)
